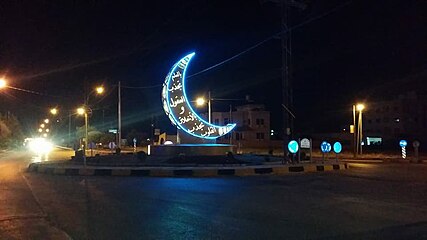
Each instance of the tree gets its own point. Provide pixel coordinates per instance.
(11, 134)
(140, 136)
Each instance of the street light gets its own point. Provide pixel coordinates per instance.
(3, 83)
(100, 90)
(359, 137)
(42, 125)
(201, 101)
(46, 121)
(54, 111)
(82, 111)
(360, 107)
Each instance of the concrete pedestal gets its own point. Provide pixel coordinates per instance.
(191, 150)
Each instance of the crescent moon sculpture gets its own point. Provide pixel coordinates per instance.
(178, 108)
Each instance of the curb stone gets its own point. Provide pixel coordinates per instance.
(183, 171)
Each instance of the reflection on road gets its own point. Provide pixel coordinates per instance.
(55, 155)
(40, 158)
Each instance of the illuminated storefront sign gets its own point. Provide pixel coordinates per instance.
(178, 108)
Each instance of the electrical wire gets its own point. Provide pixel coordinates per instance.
(272, 37)
(144, 87)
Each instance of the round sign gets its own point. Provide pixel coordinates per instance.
(305, 143)
(416, 144)
(325, 147)
(403, 143)
(293, 146)
(337, 147)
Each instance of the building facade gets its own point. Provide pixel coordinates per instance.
(252, 126)
(390, 121)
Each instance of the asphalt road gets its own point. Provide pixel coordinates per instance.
(21, 216)
(369, 201)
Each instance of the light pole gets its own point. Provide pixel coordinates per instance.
(359, 107)
(119, 116)
(201, 101)
(84, 111)
(354, 132)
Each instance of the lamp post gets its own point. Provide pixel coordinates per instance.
(359, 107)
(84, 111)
(119, 116)
(201, 101)
(354, 132)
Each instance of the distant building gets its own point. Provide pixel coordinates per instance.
(387, 122)
(253, 126)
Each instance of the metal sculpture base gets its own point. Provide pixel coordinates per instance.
(175, 150)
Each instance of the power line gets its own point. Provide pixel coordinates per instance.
(272, 37)
(144, 87)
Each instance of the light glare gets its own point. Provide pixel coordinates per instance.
(40, 146)
(80, 111)
(2, 83)
(360, 107)
(200, 101)
(100, 90)
(54, 111)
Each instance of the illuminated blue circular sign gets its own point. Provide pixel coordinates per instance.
(293, 146)
(325, 147)
(403, 143)
(337, 147)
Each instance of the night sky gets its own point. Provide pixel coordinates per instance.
(345, 52)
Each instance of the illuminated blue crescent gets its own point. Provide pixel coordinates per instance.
(178, 108)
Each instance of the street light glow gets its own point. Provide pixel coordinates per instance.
(3, 83)
(81, 111)
(42, 125)
(200, 101)
(100, 90)
(46, 121)
(40, 130)
(54, 111)
(360, 107)
(47, 130)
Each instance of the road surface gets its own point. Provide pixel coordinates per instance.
(369, 201)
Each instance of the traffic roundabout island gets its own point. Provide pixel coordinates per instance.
(194, 166)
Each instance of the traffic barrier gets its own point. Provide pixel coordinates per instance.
(183, 172)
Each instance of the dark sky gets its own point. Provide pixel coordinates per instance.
(61, 48)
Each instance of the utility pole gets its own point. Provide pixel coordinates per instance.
(286, 81)
(354, 132)
(209, 107)
(69, 128)
(119, 112)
